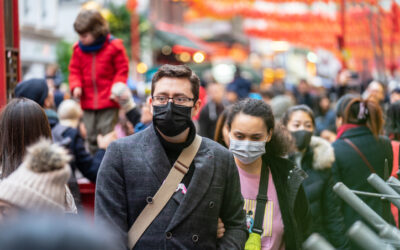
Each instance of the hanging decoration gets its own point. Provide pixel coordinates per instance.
(371, 35)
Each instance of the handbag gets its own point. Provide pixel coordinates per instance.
(254, 240)
(164, 193)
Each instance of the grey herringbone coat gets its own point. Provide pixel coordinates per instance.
(134, 168)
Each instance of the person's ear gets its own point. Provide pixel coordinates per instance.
(196, 108)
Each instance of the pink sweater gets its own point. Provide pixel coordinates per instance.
(272, 238)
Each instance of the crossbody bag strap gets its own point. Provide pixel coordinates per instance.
(164, 193)
(360, 154)
(262, 199)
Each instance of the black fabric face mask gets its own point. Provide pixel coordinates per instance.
(302, 138)
(172, 119)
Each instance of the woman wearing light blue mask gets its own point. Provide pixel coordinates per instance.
(258, 147)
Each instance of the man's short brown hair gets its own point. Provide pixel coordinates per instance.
(177, 71)
(91, 21)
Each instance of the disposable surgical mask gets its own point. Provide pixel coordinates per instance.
(247, 151)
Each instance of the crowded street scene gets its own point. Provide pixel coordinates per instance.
(199, 124)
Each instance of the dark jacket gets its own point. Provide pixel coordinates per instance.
(295, 211)
(324, 203)
(208, 118)
(134, 168)
(350, 169)
(87, 164)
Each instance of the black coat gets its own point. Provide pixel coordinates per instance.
(295, 211)
(350, 169)
(324, 203)
(208, 118)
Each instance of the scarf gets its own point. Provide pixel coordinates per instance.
(344, 128)
(95, 46)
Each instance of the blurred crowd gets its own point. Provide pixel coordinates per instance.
(51, 136)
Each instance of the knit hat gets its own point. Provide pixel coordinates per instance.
(39, 183)
(33, 89)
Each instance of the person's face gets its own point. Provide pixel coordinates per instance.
(324, 103)
(7, 210)
(249, 128)
(376, 92)
(300, 120)
(86, 38)
(394, 97)
(175, 87)
(216, 92)
(303, 87)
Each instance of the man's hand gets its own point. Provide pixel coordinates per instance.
(77, 93)
(220, 229)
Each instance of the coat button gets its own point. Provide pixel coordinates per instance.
(168, 235)
(149, 200)
(211, 204)
(195, 238)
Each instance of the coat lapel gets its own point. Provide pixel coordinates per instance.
(201, 181)
(154, 154)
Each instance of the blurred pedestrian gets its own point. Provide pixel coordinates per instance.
(52, 232)
(22, 123)
(221, 130)
(258, 147)
(38, 185)
(240, 85)
(325, 118)
(359, 151)
(146, 118)
(54, 80)
(375, 91)
(280, 104)
(210, 112)
(66, 134)
(395, 95)
(135, 167)
(38, 90)
(303, 95)
(98, 62)
(315, 156)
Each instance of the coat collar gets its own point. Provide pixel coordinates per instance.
(362, 130)
(156, 158)
(322, 152)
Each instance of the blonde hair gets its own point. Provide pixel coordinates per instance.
(69, 110)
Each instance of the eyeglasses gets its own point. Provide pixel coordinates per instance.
(180, 100)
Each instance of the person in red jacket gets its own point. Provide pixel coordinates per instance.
(98, 62)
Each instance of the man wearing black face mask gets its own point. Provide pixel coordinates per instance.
(135, 167)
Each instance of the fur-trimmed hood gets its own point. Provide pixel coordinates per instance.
(323, 154)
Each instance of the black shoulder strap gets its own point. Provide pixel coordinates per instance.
(262, 199)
